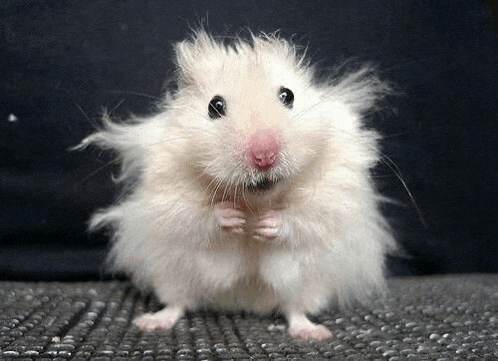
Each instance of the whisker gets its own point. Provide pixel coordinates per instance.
(390, 163)
(96, 171)
(235, 194)
(117, 106)
(92, 122)
(218, 185)
(211, 193)
(246, 201)
(130, 92)
(225, 192)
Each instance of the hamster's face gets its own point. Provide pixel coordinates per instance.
(252, 116)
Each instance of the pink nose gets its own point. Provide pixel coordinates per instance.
(262, 149)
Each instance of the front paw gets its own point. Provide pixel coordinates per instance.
(269, 225)
(229, 218)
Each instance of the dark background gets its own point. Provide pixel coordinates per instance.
(63, 62)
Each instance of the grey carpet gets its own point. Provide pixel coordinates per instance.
(429, 318)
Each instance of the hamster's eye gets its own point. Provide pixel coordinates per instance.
(217, 107)
(286, 96)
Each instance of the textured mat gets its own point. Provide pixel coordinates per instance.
(451, 317)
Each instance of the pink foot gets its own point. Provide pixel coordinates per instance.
(301, 327)
(268, 226)
(164, 319)
(229, 218)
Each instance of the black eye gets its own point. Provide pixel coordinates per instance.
(217, 107)
(286, 96)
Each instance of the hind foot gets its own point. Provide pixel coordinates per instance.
(164, 319)
(301, 327)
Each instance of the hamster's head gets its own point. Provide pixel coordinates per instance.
(252, 119)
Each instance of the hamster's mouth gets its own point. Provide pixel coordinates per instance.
(262, 185)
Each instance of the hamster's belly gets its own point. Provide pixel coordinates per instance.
(232, 277)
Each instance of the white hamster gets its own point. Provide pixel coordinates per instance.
(250, 187)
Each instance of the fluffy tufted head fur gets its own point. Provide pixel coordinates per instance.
(250, 185)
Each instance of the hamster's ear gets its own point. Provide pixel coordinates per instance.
(190, 54)
(184, 63)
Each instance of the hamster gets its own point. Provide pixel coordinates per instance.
(250, 187)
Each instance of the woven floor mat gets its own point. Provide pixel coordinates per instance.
(450, 317)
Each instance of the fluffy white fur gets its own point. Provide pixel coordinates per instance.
(192, 228)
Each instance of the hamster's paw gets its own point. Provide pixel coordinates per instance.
(301, 327)
(229, 218)
(269, 225)
(164, 319)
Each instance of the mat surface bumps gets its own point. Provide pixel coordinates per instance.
(444, 317)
